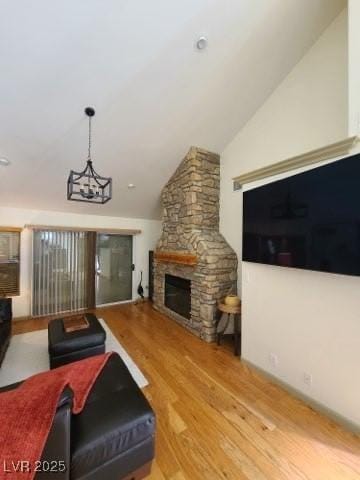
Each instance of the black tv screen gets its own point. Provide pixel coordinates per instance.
(310, 220)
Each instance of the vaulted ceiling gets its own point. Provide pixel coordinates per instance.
(154, 93)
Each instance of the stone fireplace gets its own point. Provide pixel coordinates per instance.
(194, 266)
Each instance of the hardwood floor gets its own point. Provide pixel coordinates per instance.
(218, 418)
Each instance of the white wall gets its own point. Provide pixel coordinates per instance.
(310, 320)
(354, 66)
(308, 110)
(14, 217)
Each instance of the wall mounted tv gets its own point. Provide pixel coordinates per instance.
(310, 220)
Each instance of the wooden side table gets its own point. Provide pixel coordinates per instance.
(235, 311)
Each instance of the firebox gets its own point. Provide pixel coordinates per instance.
(178, 295)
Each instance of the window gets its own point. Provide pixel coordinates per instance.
(60, 271)
(9, 262)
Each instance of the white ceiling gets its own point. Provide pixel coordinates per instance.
(154, 94)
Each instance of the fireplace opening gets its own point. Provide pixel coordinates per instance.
(178, 295)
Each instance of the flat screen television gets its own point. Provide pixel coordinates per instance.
(310, 220)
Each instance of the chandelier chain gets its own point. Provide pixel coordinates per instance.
(89, 148)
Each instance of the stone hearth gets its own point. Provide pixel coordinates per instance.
(191, 246)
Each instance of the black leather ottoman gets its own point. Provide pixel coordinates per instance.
(69, 347)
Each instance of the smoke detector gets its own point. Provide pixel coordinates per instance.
(201, 43)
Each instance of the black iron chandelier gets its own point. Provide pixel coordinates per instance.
(88, 186)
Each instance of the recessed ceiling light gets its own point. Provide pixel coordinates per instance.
(131, 185)
(4, 162)
(201, 43)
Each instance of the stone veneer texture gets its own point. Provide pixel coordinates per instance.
(191, 225)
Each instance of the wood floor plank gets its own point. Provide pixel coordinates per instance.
(179, 476)
(218, 418)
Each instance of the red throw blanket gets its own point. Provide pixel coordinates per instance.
(27, 413)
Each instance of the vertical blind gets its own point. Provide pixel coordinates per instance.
(9, 262)
(60, 271)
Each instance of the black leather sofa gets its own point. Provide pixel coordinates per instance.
(5, 326)
(112, 438)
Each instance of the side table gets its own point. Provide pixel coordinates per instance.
(235, 312)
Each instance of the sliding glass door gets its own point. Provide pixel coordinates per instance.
(74, 270)
(113, 268)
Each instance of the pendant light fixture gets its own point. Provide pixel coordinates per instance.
(88, 186)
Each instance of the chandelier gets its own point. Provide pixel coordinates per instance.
(88, 186)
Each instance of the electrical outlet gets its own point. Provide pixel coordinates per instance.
(273, 359)
(308, 379)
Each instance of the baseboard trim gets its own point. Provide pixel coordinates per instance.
(319, 407)
(135, 301)
(21, 319)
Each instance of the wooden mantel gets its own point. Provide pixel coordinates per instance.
(182, 258)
